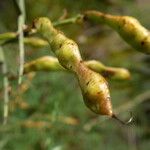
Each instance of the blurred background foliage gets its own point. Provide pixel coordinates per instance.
(46, 112)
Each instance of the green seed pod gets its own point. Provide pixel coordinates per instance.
(95, 90)
(108, 72)
(128, 28)
(31, 41)
(66, 50)
(5, 37)
(94, 87)
(35, 42)
(46, 63)
(50, 63)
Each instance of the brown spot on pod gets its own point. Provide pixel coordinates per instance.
(87, 83)
(142, 43)
(60, 45)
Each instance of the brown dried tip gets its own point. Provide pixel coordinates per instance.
(27, 29)
(124, 122)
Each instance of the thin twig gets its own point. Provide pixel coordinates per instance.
(5, 85)
(21, 22)
(72, 20)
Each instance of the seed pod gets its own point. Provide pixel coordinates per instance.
(108, 72)
(5, 37)
(95, 90)
(50, 63)
(46, 63)
(35, 42)
(94, 87)
(128, 28)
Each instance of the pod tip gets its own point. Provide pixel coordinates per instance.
(124, 122)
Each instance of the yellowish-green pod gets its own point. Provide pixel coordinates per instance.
(46, 63)
(4, 37)
(128, 28)
(50, 63)
(108, 72)
(31, 41)
(35, 42)
(94, 87)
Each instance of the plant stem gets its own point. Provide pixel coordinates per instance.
(72, 20)
(5, 85)
(21, 22)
